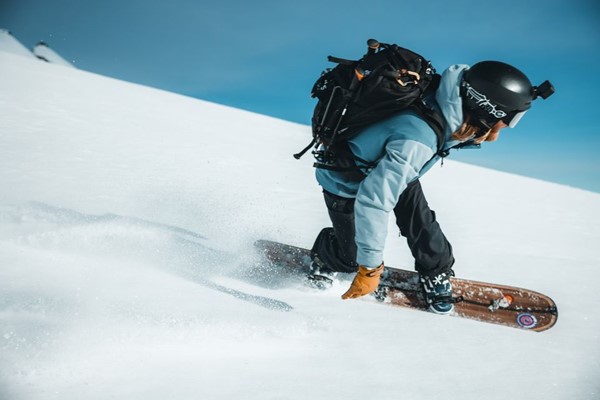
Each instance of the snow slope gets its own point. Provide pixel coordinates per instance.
(44, 52)
(126, 214)
(9, 44)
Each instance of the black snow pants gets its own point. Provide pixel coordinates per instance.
(432, 252)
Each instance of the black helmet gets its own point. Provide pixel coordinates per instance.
(493, 91)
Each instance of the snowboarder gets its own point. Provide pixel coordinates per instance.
(476, 103)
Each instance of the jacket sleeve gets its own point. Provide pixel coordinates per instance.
(379, 192)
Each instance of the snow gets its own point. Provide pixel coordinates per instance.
(127, 213)
(44, 52)
(9, 44)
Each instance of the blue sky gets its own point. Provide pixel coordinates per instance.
(264, 56)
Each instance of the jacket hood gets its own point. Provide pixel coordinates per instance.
(448, 97)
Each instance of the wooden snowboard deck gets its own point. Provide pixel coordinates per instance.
(487, 302)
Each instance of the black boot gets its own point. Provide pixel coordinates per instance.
(438, 292)
(319, 275)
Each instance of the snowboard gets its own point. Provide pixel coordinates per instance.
(487, 302)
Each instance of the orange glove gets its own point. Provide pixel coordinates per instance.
(365, 282)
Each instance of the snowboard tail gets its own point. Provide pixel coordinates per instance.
(487, 302)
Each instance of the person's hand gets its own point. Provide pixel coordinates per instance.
(365, 282)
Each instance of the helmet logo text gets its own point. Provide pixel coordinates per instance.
(482, 101)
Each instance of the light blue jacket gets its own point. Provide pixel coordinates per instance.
(403, 147)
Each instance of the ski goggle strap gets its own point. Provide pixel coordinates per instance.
(514, 120)
(511, 120)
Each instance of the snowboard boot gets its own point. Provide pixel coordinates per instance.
(319, 275)
(438, 292)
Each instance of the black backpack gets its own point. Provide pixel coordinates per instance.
(355, 94)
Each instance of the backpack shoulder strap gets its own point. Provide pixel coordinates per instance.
(432, 116)
(436, 121)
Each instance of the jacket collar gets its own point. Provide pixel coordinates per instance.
(448, 98)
